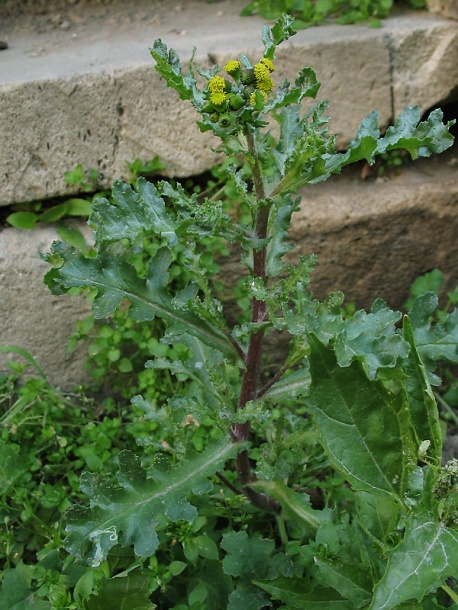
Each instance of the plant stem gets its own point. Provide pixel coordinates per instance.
(259, 313)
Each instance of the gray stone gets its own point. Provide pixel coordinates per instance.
(31, 317)
(91, 95)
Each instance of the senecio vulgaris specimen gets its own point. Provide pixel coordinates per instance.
(364, 380)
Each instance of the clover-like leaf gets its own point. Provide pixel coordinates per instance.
(12, 466)
(426, 557)
(114, 279)
(132, 512)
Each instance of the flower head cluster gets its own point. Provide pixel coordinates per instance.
(232, 66)
(262, 75)
(217, 87)
(230, 104)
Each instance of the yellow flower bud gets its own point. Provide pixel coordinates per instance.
(268, 64)
(217, 84)
(232, 66)
(218, 98)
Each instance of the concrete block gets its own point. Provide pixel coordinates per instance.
(30, 316)
(91, 95)
(424, 59)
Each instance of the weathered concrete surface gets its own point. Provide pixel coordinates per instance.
(30, 316)
(93, 96)
(374, 238)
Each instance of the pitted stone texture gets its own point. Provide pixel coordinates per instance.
(31, 317)
(373, 238)
(447, 8)
(424, 62)
(93, 96)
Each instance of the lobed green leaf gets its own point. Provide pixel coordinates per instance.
(133, 512)
(169, 66)
(427, 555)
(132, 214)
(114, 279)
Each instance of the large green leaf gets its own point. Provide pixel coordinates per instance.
(424, 411)
(350, 580)
(434, 342)
(114, 279)
(296, 593)
(16, 593)
(127, 592)
(365, 428)
(313, 158)
(423, 561)
(132, 214)
(132, 512)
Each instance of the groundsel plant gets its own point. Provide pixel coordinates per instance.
(359, 388)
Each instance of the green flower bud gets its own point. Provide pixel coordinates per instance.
(226, 121)
(248, 77)
(214, 117)
(237, 101)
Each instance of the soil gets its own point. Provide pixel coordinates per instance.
(56, 20)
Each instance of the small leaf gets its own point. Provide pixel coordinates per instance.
(72, 236)
(295, 506)
(169, 66)
(280, 31)
(12, 466)
(295, 385)
(297, 595)
(79, 207)
(422, 562)
(425, 414)
(22, 220)
(54, 213)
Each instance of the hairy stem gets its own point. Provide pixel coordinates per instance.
(259, 313)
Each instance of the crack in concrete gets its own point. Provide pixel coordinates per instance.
(391, 50)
